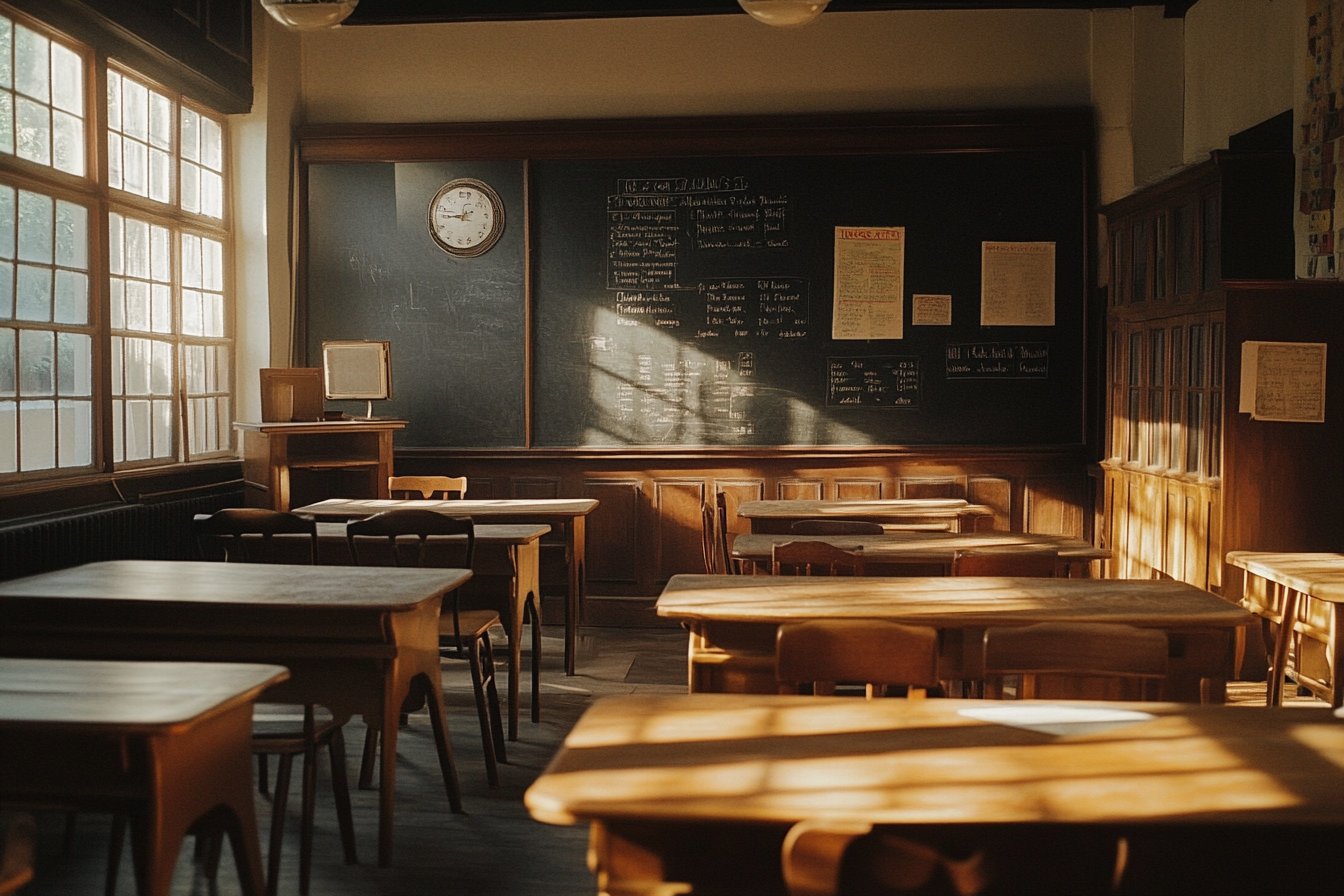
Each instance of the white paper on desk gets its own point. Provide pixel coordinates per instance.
(1283, 381)
(1055, 719)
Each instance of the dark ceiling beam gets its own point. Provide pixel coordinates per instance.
(411, 12)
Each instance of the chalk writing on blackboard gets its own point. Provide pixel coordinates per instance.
(998, 360)
(746, 308)
(887, 381)
(695, 398)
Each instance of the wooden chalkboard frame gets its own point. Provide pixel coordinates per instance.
(659, 138)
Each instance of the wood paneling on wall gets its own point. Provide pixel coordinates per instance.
(647, 525)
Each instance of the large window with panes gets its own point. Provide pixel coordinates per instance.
(115, 317)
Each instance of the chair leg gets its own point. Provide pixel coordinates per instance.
(309, 798)
(263, 775)
(114, 853)
(492, 697)
(482, 710)
(278, 802)
(533, 609)
(369, 759)
(340, 788)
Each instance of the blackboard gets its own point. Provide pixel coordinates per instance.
(688, 301)
(456, 325)
(655, 298)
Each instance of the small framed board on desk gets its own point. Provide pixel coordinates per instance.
(333, 458)
(291, 393)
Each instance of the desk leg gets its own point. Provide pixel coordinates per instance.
(574, 599)
(1279, 661)
(1336, 657)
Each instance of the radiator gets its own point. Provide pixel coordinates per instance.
(151, 531)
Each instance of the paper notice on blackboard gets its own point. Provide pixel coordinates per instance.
(1017, 284)
(1283, 381)
(930, 311)
(869, 283)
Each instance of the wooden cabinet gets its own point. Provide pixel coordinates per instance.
(291, 464)
(1199, 264)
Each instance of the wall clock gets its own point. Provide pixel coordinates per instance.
(466, 217)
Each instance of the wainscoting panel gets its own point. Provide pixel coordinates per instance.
(615, 522)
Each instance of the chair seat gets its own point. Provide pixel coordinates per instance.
(470, 623)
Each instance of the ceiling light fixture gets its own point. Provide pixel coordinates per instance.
(783, 12)
(309, 15)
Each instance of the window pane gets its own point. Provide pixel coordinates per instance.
(160, 255)
(115, 228)
(160, 174)
(35, 227)
(6, 48)
(137, 430)
(6, 290)
(163, 429)
(72, 235)
(114, 166)
(134, 109)
(118, 431)
(32, 64)
(212, 268)
(161, 308)
(67, 143)
(214, 316)
(32, 131)
(75, 364)
(136, 354)
(33, 293)
(161, 370)
(212, 195)
(8, 363)
(37, 422)
(118, 380)
(7, 229)
(190, 187)
(76, 433)
(137, 305)
(67, 80)
(160, 121)
(9, 437)
(191, 260)
(72, 298)
(117, 318)
(212, 144)
(135, 167)
(191, 135)
(137, 248)
(193, 324)
(114, 101)
(6, 122)
(37, 355)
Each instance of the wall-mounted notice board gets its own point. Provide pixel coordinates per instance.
(673, 283)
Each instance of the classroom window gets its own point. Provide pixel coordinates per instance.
(164, 336)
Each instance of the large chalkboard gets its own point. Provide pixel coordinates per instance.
(651, 299)
(689, 301)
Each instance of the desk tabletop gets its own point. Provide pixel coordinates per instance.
(311, 426)
(776, 759)
(243, 584)
(486, 533)
(892, 508)
(924, 547)
(125, 697)
(1319, 575)
(963, 601)
(337, 509)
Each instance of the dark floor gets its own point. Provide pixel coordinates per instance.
(495, 848)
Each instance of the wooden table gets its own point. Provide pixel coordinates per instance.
(953, 514)
(165, 743)
(511, 551)
(355, 639)
(733, 619)
(1301, 594)
(701, 788)
(927, 549)
(272, 451)
(566, 513)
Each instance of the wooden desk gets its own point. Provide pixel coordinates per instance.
(927, 548)
(686, 788)
(1301, 594)
(502, 551)
(569, 513)
(954, 514)
(355, 639)
(733, 620)
(271, 451)
(165, 743)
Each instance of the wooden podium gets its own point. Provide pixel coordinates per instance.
(292, 464)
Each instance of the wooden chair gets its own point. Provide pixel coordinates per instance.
(1029, 561)
(873, 652)
(814, 558)
(427, 488)
(836, 527)
(724, 544)
(709, 540)
(1071, 660)
(462, 633)
(255, 535)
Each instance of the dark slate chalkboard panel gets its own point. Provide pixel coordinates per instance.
(456, 325)
(687, 302)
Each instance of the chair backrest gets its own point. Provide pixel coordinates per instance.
(873, 652)
(1007, 560)
(412, 537)
(814, 558)
(248, 535)
(1076, 660)
(722, 537)
(836, 527)
(427, 488)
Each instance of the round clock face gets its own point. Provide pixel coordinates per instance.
(466, 217)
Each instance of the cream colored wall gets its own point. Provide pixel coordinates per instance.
(696, 65)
